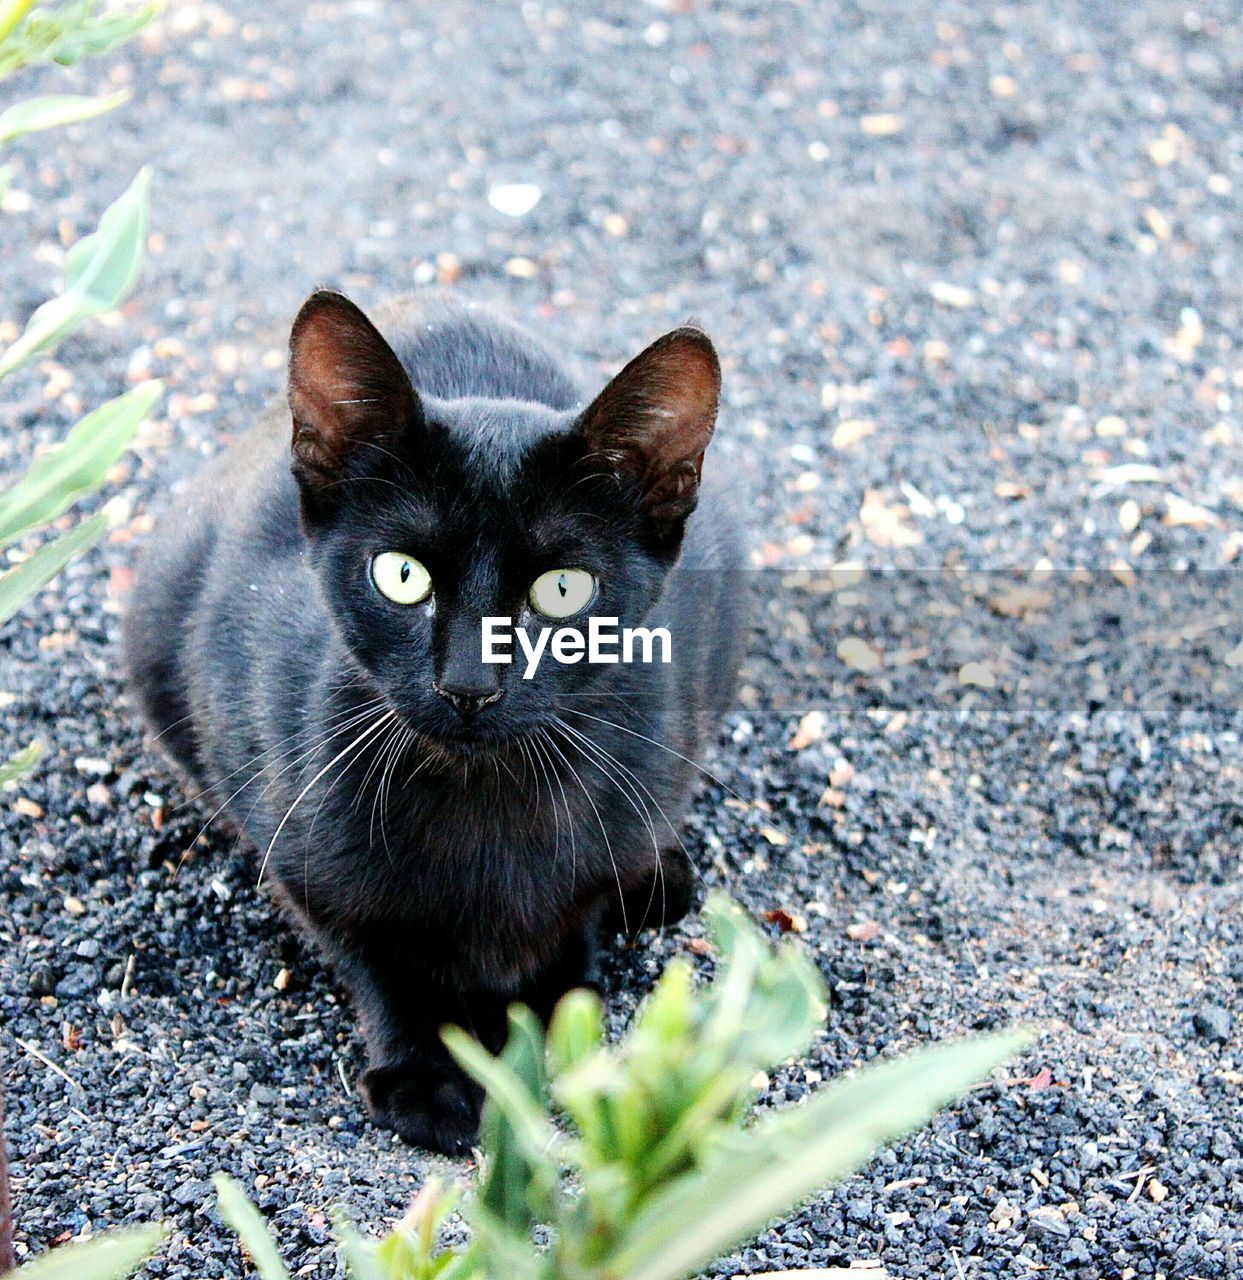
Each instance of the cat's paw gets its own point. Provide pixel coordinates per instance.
(425, 1109)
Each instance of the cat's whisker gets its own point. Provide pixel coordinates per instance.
(630, 702)
(707, 773)
(168, 728)
(334, 728)
(630, 773)
(637, 781)
(334, 484)
(306, 756)
(377, 756)
(527, 766)
(411, 479)
(356, 717)
(307, 842)
(367, 733)
(392, 743)
(229, 704)
(532, 748)
(540, 741)
(410, 738)
(608, 844)
(407, 739)
(343, 714)
(605, 763)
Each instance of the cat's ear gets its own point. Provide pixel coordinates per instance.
(654, 420)
(347, 390)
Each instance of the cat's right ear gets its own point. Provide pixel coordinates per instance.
(653, 422)
(348, 391)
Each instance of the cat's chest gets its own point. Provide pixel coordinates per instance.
(523, 843)
(422, 832)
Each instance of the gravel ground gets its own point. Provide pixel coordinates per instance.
(977, 282)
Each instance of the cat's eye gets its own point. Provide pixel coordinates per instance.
(559, 593)
(400, 577)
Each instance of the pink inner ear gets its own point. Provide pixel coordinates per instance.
(345, 383)
(685, 388)
(317, 351)
(324, 368)
(658, 413)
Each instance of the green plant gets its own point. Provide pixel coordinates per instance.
(111, 1256)
(31, 33)
(656, 1172)
(100, 270)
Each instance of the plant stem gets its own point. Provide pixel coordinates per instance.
(11, 13)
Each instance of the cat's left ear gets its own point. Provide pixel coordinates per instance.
(347, 390)
(653, 422)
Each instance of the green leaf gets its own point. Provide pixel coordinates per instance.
(769, 1169)
(23, 580)
(111, 1256)
(11, 13)
(409, 1251)
(576, 1030)
(359, 1255)
(502, 1251)
(65, 35)
(98, 34)
(520, 1184)
(99, 271)
(78, 466)
(505, 1087)
(17, 766)
(234, 1206)
(514, 1189)
(55, 110)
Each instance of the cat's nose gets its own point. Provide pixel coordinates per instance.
(467, 700)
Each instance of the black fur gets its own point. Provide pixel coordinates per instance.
(447, 862)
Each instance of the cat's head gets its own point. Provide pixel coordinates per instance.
(424, 516)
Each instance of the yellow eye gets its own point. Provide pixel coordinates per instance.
(559, 593)
(401, 577)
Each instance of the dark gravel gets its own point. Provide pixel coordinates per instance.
(976, 275)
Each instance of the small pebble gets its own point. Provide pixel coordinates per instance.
(1213, 1023)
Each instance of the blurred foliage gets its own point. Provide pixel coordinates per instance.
(111, 1256)
(100, 270)
(50, 112)
(658, 1173)
(31, 33)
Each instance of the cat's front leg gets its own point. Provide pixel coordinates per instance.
(412, 1084)
(426, 1103)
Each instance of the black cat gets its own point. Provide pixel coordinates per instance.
(306, 640)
